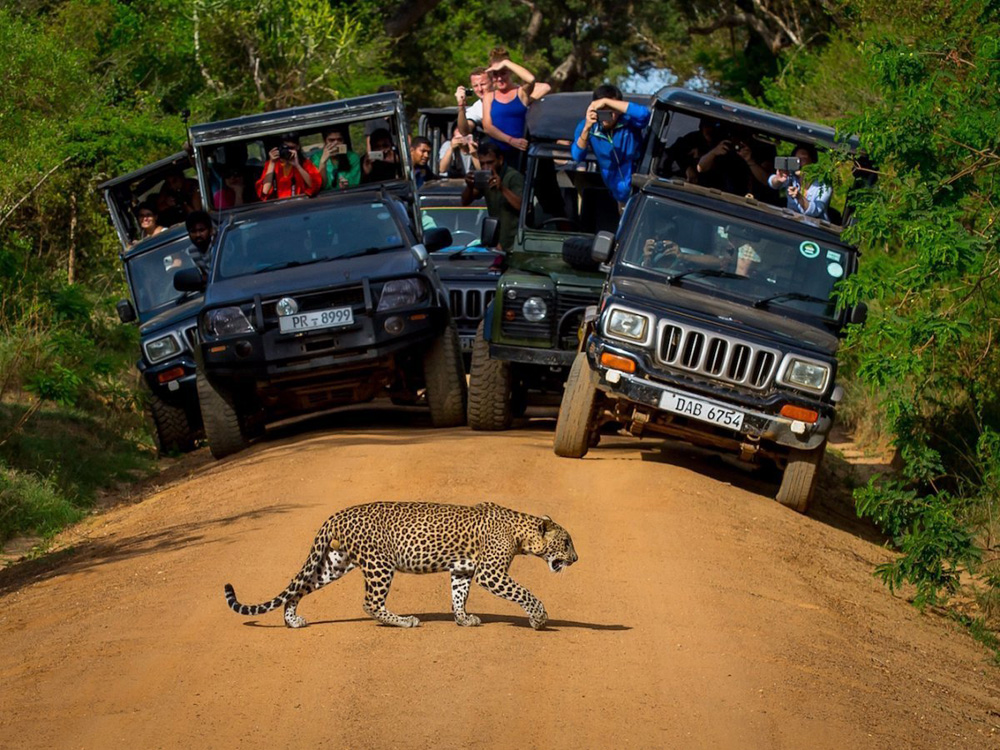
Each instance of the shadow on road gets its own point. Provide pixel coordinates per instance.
(512, 620)
(832, 503)
(89, 554)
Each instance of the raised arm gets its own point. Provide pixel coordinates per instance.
(526, 76)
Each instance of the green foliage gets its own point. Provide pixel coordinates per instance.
(31, 504)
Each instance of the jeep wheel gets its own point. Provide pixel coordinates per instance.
(444, 376)
(174, 432)
(575, 428)
(489, 388)
(225, 427)
(799, 479)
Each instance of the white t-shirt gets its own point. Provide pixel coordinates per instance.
(475, 111)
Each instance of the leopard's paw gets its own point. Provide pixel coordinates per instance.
(468, 621)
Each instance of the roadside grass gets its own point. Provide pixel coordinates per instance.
(54, 465)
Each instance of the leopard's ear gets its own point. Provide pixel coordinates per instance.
(546, 525)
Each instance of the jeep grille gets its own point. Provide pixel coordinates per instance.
(350, 296)
(716, 356)
(570, 307)
(191, 337)
(468, 305)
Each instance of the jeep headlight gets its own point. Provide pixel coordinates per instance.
(805, 374)
(227, 321)
(628, 325)
(400, 293)
(534, 309)
(162, 348)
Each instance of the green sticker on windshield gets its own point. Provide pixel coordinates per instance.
(809, 249)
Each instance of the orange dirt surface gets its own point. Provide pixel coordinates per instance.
(701, 613)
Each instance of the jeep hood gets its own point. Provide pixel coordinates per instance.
(561, 272)
(297, 279)
(763, 322)
(172, 315)
(469, 267)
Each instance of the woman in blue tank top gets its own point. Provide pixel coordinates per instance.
(506, 107)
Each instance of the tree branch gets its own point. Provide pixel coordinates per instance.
(35, 187)
(407, 16)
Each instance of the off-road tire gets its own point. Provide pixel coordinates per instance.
(489, 388)
(444, 376)
(173, 429)
(225, 427)
(799, 480)
(575, 427)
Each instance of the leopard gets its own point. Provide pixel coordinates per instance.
(472, 543)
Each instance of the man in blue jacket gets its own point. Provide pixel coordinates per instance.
(612, 129)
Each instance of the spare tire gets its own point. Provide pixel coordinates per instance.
(576, 252)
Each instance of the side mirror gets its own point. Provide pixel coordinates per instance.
(602, 247)
(421, 254)
(126, 313)
(189, 280)
(858, 314)
(489, 235)
(436, 239)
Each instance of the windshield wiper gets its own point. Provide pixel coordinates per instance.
(289, 264)
(765, 301)
(704, 272)
(367, 251)
(464, 250)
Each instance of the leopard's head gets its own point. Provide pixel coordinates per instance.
(552, 543)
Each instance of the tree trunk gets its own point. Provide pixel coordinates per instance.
(71, 267)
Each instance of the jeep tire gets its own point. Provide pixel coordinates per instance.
(575, 428)
(444, 376)
(489, 388)
(799, 479)
(173, 429)
(225, 427)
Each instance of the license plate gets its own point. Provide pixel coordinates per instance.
(310, 321)
(466, 342)
(704, 411)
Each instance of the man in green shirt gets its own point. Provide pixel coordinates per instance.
(337, 164)
(502, 190)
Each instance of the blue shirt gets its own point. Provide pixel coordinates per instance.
(616, 151)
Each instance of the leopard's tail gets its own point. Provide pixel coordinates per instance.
(300, 584)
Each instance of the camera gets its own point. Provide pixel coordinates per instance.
(284, 153)
(481, 179)
(787, 163)
(605, 116)
(376, 156)
(339, 150)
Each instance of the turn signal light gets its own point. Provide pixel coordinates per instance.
(172, 374)
(617, 363)
(799, 413)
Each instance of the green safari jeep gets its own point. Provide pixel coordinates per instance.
(528, 338)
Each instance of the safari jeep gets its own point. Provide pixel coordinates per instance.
(718, 323)
(167, 318)
(528, 338)
(318, 302)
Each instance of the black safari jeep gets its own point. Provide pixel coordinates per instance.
(718, 323)
(166, 317)
(317, 302)
(528, 337)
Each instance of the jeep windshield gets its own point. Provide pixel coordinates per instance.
(464, 223)
(151, 274)
(762, 266)
(327, 232)
(568, 196)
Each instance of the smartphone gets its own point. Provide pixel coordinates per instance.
(787, 163)
(481, 179)
(605, 115)
(339, 149)
(376, 155)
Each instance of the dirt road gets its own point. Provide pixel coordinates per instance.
(700, 615)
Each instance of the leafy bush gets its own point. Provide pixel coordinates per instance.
(29, 503)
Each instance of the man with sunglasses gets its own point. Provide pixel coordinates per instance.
(612, 129)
